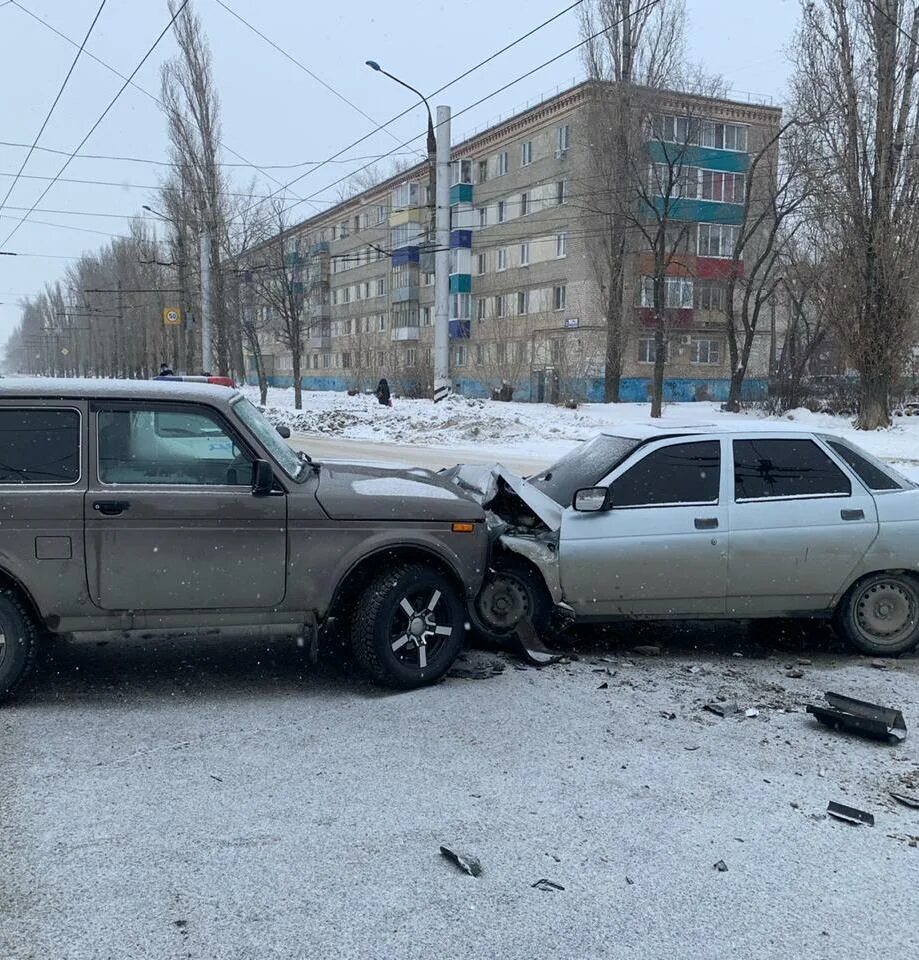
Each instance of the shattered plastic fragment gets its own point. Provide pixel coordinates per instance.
(853, 815)
(467, 864)
(720, 866)
(545, 884)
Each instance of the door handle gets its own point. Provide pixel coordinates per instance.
(706, 523)
(111, 508)
(852, 514)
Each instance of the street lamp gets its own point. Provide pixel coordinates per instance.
(439, 164)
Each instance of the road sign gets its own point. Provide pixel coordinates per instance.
(172, 316)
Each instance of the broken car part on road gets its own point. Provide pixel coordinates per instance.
(861, 717)
(470, 865)
(839, 811)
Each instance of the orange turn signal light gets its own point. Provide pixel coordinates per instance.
(462, 527)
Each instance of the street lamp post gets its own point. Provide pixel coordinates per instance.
(181, 357)
(439, 201)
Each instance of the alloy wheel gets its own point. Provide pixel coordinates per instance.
(421, 626)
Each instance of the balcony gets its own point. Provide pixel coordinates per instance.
(320, 341)
(317, 249)
(459, 329)
(406, 333)
(320, 311)
(403, 294)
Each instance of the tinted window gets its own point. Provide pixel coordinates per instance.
(871, 474)
(39, 446)
(680, 473)
(784, 468)
(185, 447)
(584, 466)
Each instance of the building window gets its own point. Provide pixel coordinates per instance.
(717, 240)
(523, 302)
(410, 356)
(564, 138)
(526, 153)
(678, 293)
(560, 297)
(722, 187)
(502, 258)
(710, 295)
(460, 172)
(427, 279)
(561, 191)
(524, 204)
(502, 211)
(724, 136)
(480, 309)
(706, 351)
(501, 352)
(523, 351)
(481, 263)
(479, 354)
(346, 359)
(405, 195)
(460, 306)
(501, 305)
(674, 181)
(381, 212)
(459, 356)
(524, 254)
(561, 244)
(326, 360)
(483, 216)
(502, 163)
(483, 171)
(381, 322)
(425, 316)
(343, 229)
(647, 350)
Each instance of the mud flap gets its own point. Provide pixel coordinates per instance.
(527, 645)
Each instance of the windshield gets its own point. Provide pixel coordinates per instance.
(585, 466)
(255, 420)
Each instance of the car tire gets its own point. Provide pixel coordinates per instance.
(18, 642)
(880, 614)
(408, 626)
(512, 591)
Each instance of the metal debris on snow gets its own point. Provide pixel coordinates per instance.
(906, 799)
(545, 884)
(859, 716)
(722, 709)
(720, 866)
(467, 864)
(853, 815)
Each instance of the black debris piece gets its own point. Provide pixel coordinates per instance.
(629, 881)
(603, 686)
(906, 799)
(861, 717)
(849, 814)
(527, 644)
(667, 714)
(720, 866)
(794, 674)
(545, 884)
(467, 864)
(722, 709)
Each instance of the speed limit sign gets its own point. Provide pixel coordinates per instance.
(172, 316)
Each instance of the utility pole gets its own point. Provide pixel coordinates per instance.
(442, 384)
(204, 246)
(181, 330)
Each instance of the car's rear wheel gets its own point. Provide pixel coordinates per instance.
(512, 593)
(408, 626)
(18, 642)
(880, 614)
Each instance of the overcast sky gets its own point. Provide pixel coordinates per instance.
(275, 114)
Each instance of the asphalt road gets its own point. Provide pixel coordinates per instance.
(221, 801)
(432, 457)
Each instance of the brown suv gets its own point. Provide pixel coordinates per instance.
(157, 508)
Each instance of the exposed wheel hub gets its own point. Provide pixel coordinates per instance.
(503, 603)
(886, 610)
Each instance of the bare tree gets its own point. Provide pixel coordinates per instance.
(855, 70)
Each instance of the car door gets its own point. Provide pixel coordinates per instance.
(800, 522)
(171, 521)
(660, 550)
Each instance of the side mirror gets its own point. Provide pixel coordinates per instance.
(262, 478)
(591, 499)
(284, 430)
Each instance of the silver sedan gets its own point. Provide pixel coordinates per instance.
(706, 523)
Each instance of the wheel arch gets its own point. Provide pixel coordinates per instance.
(11, 582)
(855, 580)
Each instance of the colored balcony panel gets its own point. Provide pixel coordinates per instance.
(698, 211)
(461, 239)
(460, 283)
(317, 249)
(402, 294)
(405, 255)
(680, 265)
(406, 333)
(709, 158)
(459, 329)
(717, 268)
(409, 215)
(460, 193)
(675, 318)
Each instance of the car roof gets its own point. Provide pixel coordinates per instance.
(59, 388)
(645, 431)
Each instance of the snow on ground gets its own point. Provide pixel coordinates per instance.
(544, 430)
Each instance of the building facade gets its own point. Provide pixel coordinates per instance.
(526, 305)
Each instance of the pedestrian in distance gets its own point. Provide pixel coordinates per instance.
(165, 370)
(382, 393)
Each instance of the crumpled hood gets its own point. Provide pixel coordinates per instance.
(489, 485)
(351, 491)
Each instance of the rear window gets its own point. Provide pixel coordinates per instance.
(871, 474)
(765, 469)
(39, 446)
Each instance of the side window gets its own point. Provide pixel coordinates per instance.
(679, 473)
(785, 468)
(39, 445)
(872, 475)
(151, 446)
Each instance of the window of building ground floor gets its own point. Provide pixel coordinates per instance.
(705, 351)
(647, 350)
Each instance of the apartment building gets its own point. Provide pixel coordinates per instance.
(526, 308)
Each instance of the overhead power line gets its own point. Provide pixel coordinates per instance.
(299, 63)
(101, 117)
(54, 104)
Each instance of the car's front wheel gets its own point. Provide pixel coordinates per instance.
(408, 626)
(18, 642)
(880, 614)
